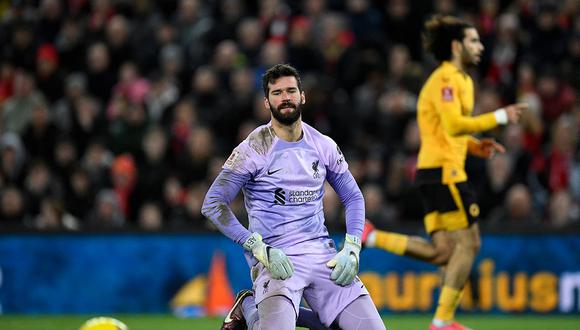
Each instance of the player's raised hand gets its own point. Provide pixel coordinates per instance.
(345, 262)
(273, 259)
(514, 111)
(487, 148)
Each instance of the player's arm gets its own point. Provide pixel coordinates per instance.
(216, 208)
(216, 205)
(345, 263)
(352, 198)
(484, 148)
(447, 100)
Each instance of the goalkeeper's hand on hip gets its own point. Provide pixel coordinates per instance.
(273, 259)
(345, 262)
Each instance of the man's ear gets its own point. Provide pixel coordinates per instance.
(302, 98)
(456, 46)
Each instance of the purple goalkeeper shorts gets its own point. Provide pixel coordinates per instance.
(311, 280)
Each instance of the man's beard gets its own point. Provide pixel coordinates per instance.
(468, 59)
(286, 118)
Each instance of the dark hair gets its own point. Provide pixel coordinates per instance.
(440, 31)
(279, 71)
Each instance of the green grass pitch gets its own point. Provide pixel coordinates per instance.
(393, 322)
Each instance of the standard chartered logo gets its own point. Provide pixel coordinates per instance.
(279, 196)
(294, 196)
(302, 196)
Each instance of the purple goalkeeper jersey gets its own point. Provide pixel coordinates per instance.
(283, 186)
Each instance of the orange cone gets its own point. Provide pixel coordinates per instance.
(220, 296)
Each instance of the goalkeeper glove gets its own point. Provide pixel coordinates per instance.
(345, 262)
(273, 259)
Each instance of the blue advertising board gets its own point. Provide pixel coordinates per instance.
(141, 273)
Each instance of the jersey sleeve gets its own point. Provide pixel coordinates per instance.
(334, 157)
(216, 205)
(237, 170)
(243, 160)
(342, 181)
(446, 95)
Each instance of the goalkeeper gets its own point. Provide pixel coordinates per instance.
(281, 168)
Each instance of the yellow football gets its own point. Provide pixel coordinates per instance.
(103, 323)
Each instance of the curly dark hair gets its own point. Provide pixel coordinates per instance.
(440, 31)
(279, 71)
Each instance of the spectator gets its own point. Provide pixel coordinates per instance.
(40, 134)
(17, 110)
(39, 184)
(12, 159)
(563, 210)
(376, 206)
(556, 96)
(150, 217)
(518, 209)
(71, 44)
(49, 78)
(53, 216)
(497, 182)
(107, 212)
(79, 194)
(87, 121)
(193, 163)
(75, 88)
(123, 179)
(100, 74)
(13, 211)
(65, 157)
(117, 35)
(153, 167)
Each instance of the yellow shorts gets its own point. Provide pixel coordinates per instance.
(448, 206)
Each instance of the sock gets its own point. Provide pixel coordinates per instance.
(308, 319)
(250, 311)
(392, 242)
(448, 301)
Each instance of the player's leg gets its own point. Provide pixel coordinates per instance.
(244, 314)
(456, 274)
(464, 231)
(436, 198)
(437, 251)
(275, 312)
(360, 314)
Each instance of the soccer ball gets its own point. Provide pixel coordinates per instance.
(103, 323)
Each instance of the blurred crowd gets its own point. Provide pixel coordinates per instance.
(119, 113)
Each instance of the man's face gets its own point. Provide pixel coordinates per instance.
(285, 99)
(472, 48)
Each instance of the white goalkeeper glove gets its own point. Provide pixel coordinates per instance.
(345, 262)
(273, 259)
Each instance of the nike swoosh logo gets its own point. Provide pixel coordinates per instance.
(272, 172)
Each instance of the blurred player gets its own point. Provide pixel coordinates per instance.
(446, 124)
(281, 168)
